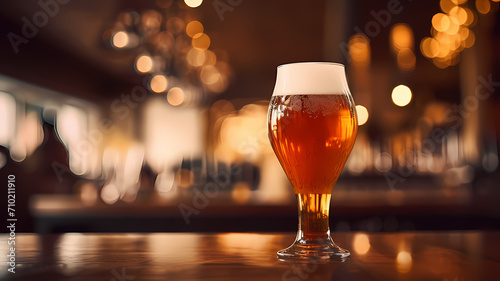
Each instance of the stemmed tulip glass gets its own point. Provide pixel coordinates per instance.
(312, 127)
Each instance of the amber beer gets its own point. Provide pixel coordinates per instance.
(312, 127)
(312, 136)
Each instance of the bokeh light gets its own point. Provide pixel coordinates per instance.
(404, 261)
(88, 194)
(193, 3)
(429, 47)
(446, 5)
(440, 22)
(120, 39)
(362, 114)
(361, 243)
(471, 39)
(196, 57)
(401, 95)
(201, 41)
(241, 193)
(158, 83)
(451, 32)
(171, 42)
(483, 6)
(453, 26)
(401, 37)
(144, 64)
(165, 182)
(470, 17)
(406, 59)
(110, 194)
(459, 13)
(193, 28)
(209, 75)
(359, 49)
(441, 63)
(175, 96)
(210, 58)
(464, 33)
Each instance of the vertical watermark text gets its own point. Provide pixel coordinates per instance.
(11, 223)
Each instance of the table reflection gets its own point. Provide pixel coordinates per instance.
(180, 256)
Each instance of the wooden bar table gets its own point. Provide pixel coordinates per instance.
(443, 256)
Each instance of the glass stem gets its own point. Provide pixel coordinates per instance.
(314, 214)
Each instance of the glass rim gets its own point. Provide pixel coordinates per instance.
(312, 62)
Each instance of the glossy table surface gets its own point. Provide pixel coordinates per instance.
(450, 256)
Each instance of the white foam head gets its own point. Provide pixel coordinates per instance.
(311, 78)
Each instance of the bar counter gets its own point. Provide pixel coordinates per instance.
(444, 256)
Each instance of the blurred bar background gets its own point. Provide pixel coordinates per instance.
(151, 115)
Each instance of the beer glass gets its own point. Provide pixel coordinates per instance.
(312, 127)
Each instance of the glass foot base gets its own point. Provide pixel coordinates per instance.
(314, 250)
